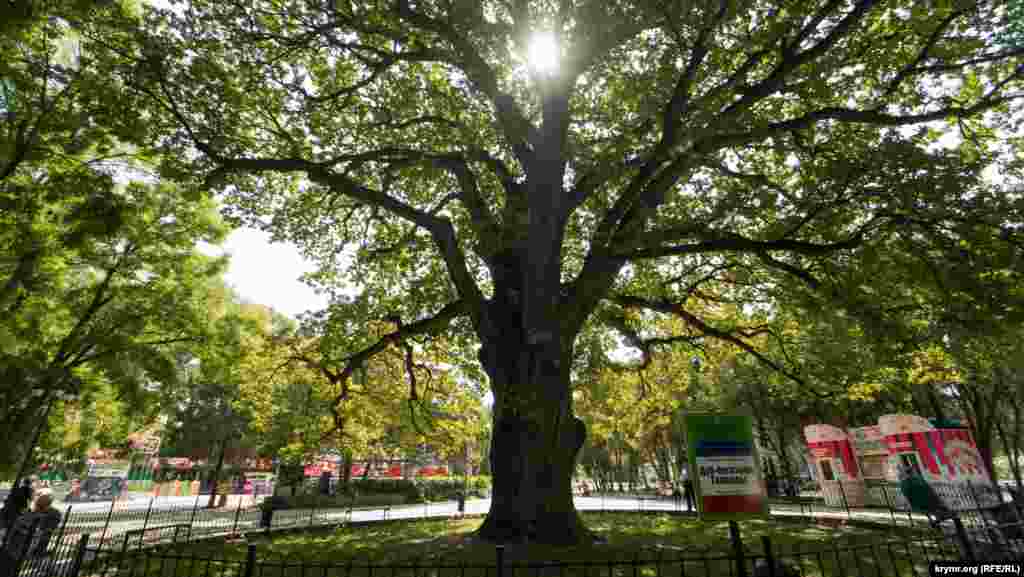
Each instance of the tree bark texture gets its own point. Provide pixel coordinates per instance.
(536, 438)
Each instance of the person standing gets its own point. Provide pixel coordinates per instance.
(249, 491)
(47, 521)
(922, 497)
(688, 494)
(115, 490)
(29, 536)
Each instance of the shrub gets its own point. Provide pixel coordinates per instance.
(367, 492)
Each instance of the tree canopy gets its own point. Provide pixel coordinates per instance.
(677, 153)
(99, 271)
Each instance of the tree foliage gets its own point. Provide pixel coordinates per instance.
(99, 273)
(786, 152)
(301, 404)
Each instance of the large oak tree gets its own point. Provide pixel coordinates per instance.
(675, 143)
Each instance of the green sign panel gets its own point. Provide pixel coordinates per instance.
(724, 466)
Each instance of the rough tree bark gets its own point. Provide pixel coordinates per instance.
(536, 438)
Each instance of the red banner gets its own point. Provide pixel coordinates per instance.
(733, 504)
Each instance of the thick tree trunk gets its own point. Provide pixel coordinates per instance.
(533, 455)
(536, 437)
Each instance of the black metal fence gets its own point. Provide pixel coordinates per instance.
(902, 556)
(151, 522)
(124, 537)
(974, 503)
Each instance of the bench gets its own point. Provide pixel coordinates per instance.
(156, 532)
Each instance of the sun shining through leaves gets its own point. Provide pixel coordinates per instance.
(542, 53)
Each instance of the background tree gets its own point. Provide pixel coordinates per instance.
(208, 414)
(97, 276)
(508, 199)
(113, 314)
(401, 397)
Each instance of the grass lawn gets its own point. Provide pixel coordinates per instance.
(648, 545)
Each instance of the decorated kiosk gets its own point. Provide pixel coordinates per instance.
(868, 459)
(835, 465)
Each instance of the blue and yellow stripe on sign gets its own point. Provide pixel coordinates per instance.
(716, 448)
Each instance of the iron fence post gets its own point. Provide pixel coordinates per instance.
(965, 541)
(192, 520)
(145, 520)
(64, 523)
(238, 510)
(250, 560)
(79, 558)
(499, 552)
(737, 547)
(103, 535)
(769, 556)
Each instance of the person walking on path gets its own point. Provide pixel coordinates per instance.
(688, 494)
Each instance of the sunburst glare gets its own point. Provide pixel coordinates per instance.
(542, 53)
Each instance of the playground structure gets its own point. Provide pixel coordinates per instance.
(855, 467)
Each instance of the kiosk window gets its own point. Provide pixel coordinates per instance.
(873, 466)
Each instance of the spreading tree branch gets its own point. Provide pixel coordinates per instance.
(520, 133)
(668, 307)
(720, 241)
